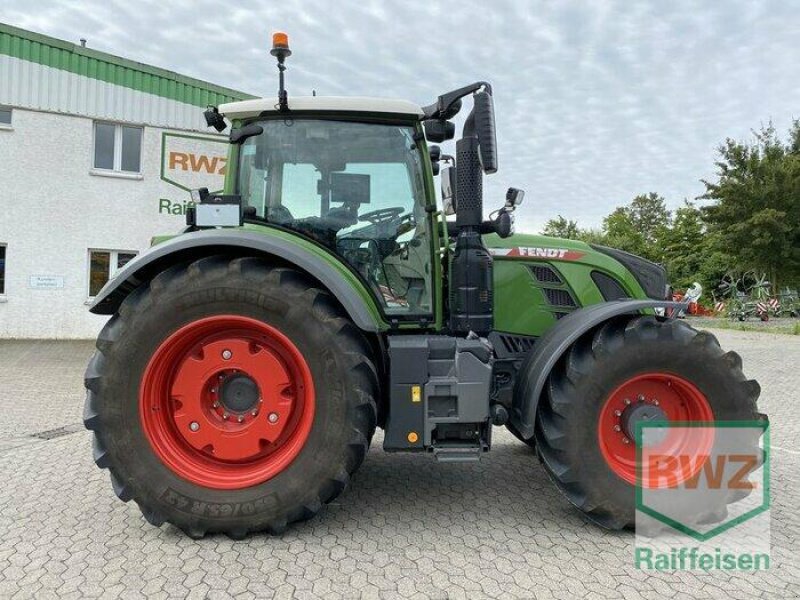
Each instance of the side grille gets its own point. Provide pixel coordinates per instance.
(608, 286)
(508, 345)
(559, 297)
(516, 344)
(545, 274)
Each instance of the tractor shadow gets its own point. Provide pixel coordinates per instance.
(408, 496)
(507, 488)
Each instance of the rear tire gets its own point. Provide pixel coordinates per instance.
(283, 320)
(627, 350)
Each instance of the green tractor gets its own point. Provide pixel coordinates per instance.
(323, 293)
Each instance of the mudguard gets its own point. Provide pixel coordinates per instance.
(552, 345)
(190, 246)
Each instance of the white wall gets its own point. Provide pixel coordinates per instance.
(52, 210)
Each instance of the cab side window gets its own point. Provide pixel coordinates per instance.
(355, 188)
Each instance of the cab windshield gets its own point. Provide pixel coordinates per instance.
(357, 189)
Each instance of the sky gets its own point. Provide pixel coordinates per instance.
(595, 101)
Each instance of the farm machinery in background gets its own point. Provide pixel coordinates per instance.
(691, 298)
(789, 301)
(748, 295)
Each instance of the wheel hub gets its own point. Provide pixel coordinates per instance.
(642, 412)
(239, 393)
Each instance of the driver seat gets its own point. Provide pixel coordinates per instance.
(343, 216)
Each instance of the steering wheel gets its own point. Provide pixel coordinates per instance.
(382, 215)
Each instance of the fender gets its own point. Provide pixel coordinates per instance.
(552, 345)
(327, 269)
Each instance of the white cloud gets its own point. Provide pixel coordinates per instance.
(596, 101)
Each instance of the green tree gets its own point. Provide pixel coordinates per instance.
(649, 214)
(569, 229)
(593, 236)
(755, 215)
(681, 246)
(562, 228)
(691, 253)
(639, 226)
(621, 233)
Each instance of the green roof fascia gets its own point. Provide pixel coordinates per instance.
(66, 56)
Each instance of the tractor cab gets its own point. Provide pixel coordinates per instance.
(355, 177)
(352, 178)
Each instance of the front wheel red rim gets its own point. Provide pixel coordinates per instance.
(659, 397)
(227, 402)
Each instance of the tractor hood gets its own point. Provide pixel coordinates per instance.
(521, 246)
(538, 280)
(639, 278)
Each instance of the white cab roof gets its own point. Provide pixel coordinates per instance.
(253, 108)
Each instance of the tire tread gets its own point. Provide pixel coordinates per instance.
(559, 400)
(305, 293)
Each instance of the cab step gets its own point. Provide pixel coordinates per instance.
(451, 454)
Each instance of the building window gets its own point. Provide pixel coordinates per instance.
(117, 147)
(103, 265)
(2, 269)
(5, 115)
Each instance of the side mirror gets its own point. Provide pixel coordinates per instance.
(514, 197)
(448, 190)
(485, 129)
(240, 134)
(439, 130)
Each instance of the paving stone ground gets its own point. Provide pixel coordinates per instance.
(407, 528)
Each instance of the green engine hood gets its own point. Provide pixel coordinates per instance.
(538, 279)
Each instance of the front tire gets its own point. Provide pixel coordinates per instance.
(230, 395)
(581, 439)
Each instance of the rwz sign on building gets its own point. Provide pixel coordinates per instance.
(189, 162)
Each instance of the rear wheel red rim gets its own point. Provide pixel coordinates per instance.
(660, 397)
(227, 402)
